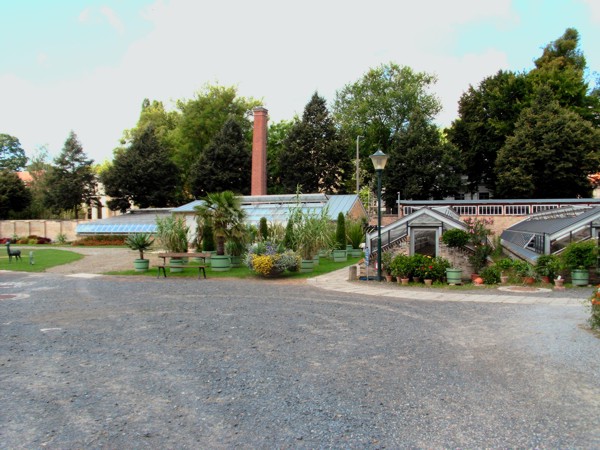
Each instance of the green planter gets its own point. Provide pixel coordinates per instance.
(316, 260)
(220, 263)
(141, 265)
(348, 248)
(236, 261)
(307, 265)
(176, 265)
(580, 277)
(323, 253)
(356, 252)
(340, 255)
(207, 259)
(454, 276)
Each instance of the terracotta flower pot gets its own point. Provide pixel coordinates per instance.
(428, 281)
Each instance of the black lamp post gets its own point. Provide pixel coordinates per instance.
(379, 159)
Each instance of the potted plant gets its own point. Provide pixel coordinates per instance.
(173, 232)
(339, 252)
(504, 265)
(455, 239)
(547, 267)
(355, 235)
(386, 264)
(224, 212)
(525, 271)
(401, 268)
(140, 242)
(578, 257)
(310, 234)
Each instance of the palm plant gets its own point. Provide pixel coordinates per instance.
(140, 242)
(224, 211)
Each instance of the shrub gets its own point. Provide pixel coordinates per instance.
(386, 261)
(100, 240)
(455, 238)
(173, 233)
(140, 242)
(505, 264)
(355, 233)
(579, 255)
(263, 228)
(340, 232)
(479, 258)
(548, 266)
(401, 266)
(269, 260)
(491, 275)
(431, 268)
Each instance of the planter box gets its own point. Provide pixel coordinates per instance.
(340, 256)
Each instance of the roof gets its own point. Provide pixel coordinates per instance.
(443, 215)
(555, 222)
(518, 201)
(135, 221)
(520, 238)
(275, 208)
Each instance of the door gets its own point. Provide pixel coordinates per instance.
(424, 241)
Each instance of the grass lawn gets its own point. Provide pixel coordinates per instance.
(325, 266)
(42, 259)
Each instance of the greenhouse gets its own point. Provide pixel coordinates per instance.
(551, 231)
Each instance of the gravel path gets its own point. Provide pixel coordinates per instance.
(126, 362)
(101, 260)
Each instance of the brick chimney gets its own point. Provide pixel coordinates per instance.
(259, 152)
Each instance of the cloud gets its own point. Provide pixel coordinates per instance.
(84, 16)
(279, 52)
(113, 19)
(594, 6)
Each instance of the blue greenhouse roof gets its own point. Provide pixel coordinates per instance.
(275, 208)
(136, 221)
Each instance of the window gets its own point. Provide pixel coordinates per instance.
(484, 196)
(490, 210)
(459, 197)
(517, 210)
(466, 210)
(540, 208)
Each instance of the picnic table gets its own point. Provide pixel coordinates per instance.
(201, 267)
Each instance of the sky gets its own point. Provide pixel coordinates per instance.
(86, 66)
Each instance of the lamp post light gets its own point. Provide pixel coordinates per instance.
(379, 159)
(357, 166)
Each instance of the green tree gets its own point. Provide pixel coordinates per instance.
(314, 155)
(379, 106)
(550, 154)
(225, 164)
(422, 164)
(38, 167)
(487, 116)
(70, 182)
(14, 195)
(12, 156)
(202, 118)
(278, 133)
(562, 69)
(142, 175)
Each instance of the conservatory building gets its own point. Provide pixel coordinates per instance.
(551, 231)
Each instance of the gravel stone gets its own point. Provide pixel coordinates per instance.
(132, 362)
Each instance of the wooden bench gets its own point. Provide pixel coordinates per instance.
(201, 267)
(163, 267)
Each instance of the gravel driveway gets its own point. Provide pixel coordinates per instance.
(126, 362)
